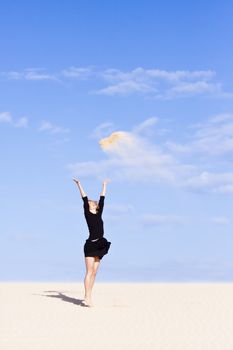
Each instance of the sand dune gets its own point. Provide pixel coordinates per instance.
(171, 316)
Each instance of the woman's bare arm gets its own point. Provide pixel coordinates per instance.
(104, 187)
(82, 192)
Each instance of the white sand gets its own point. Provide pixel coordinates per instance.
(171, 316)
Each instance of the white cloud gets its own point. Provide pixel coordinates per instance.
(132, 156)
(147, 124)
(52, 128)
(162, 84)
(21, 123)
(213, 182)
(220, 220)
(29, 74)
(117, 212)
(102, 130)
(25, 237)
(221, 118)
(6, 117)
(178, 147)
(12, 75)
(183, 89)
(34, 74)
(92, 168)
(211, 138)
(140, 74)
(126, 88)
(77, 73)
(160, 219)
(120, 208)
(154, 83)
(179, 74)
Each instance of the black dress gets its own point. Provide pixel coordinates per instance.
(96, 244)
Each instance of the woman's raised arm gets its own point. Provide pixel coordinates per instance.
(104, 187)
(82, 192)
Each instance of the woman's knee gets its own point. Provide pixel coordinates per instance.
(94, 273)
(90, 272)
(92, 267)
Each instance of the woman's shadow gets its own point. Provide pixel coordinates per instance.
(64, 297)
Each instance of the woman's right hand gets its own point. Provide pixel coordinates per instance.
(76, 181)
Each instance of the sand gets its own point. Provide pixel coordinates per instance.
(171, 316)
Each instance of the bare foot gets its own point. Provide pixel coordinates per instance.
(88, 302)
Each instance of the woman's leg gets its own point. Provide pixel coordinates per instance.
(89, 260)
(95, 268)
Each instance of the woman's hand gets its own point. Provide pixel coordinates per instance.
(104, 186)
(76, 181)
(106, 181)
(82, 192)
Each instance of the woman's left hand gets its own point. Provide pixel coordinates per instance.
(106, 181)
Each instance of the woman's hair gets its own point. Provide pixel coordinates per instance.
(96, 203)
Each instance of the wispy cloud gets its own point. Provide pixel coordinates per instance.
(25, 237)
(162, 84)
(21, 122)
(187, 89)
(211, 138)
(81, 73)
(151, 83)
(117, 212)
(6, 118)
(93, 168)
(210, 181)
(142, 73)
(133, 156)
(220, 220)
(102, 130)
(161, 219)
(120, 208)
(145, 125)
(126, 88)
(37, 74)
(47, 126)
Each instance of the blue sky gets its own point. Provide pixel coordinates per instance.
(75, 72)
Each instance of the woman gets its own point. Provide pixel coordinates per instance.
(96, 246)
